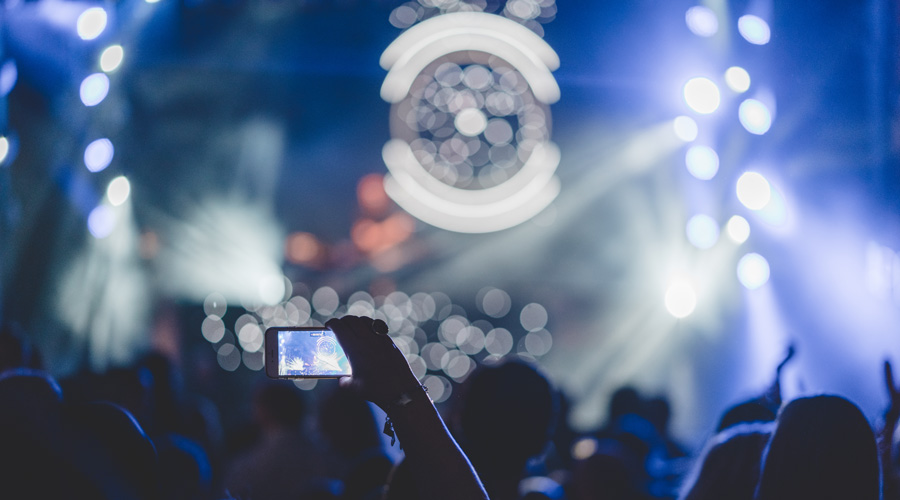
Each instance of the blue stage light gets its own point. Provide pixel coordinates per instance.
(94, 89)
(91, 23)
(701, 95)
(753, 190)
(702, 231)
(755, 116)
(754, 30)
(98, 154)
(753, 271)
(702, 162)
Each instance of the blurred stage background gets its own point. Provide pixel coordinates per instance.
(222, 168)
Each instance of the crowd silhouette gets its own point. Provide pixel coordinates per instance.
(133, 433)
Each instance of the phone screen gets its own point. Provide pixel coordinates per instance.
(308, 353)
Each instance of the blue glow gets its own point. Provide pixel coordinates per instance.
(775, 212)
(755, 117)
(754, 30)
(702, 21)
(753, 271)
(91, 23)
(753, 190)
(686, 128)
(94, 89)
(702, 231)
(701, 95)
(737, 79)
(98, 154)
(101, 221)
(8, 76)
(702, 162)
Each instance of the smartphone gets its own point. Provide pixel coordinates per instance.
(304, 352)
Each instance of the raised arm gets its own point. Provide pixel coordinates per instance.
(382, 375)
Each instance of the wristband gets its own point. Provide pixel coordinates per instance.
(401, 402)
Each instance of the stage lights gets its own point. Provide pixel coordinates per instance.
(737, 79)
(101, 221)
(111, 58)
(754, 29)
(91, 23)
(753, 271)
(4, 148)
(94, 89)
(702, 95)
(738, 229)
(681, 299)
(118, 191)
(755, 116)
(702, 21)
(685, 128)
(702, 231)
(702, 162)
(753, 190)
(98, 154)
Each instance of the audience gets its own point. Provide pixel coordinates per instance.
(133, 433)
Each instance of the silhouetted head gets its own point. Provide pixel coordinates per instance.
(279, 404)
(822, 448)
(624, 401)
(746, 412)
(729, 467)
(612, 472)
(508, 415)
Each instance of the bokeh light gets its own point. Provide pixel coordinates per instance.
(212, 328)
(229, 357)
(680, 300)
(753, 271)
(753, 190)
(494, 302)
(738, 229)
(702, 231)
(91, 23)
(686, 128)
(118, 191)
(533, 317)
(498, 342)
(94, 89)
(111, 58)
(325, 300)
(101, 221)
(702, 162)
(701, 95)
(702, 21)
(737, 79)
(755, 116)
(9, 74)
(98, 154)
(754, 29)
(4, 148)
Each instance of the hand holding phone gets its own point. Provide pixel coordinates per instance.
(304, 352)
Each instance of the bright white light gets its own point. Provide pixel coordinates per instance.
(702, 21)
(686, 128)
(737, 79)
(151, 1)
(755, 117)
(111, 58)
(118, 190)
(101, 221)
(754, 30)
(91, 23)
(4, 148)
(738, 229)
(753, 190)
(753, 271)
(702, 231)
(470, 122)
(702, 162)
(681, 300)
(98, 154)
(701, 95)
(94, 89)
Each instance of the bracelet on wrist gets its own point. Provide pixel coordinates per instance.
(402, 401)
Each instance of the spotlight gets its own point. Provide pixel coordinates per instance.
(753, 271)
(753, 190)
(755, 116)
(686, 128)
(738, 229)
(4, 148)
(702, 231)
(737, 79)
(94, 89)
(681, 300)
(101, 221)
(111, 58)
(701, 95)
(754, 30)
(702, 21)
(91, 23)
(702, 162)
(118, 190)
(98, 154)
